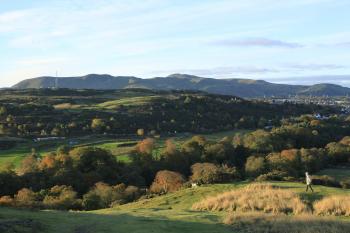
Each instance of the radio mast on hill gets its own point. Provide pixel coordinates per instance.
(56, 80)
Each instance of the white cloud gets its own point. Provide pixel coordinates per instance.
(257, 42)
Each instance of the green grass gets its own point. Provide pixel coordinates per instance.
(339, 174)
(169, 213)
(130, 101)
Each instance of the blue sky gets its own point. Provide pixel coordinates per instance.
(289, 41)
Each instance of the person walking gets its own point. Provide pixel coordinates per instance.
(308, 182)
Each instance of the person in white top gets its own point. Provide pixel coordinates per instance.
(308, 182)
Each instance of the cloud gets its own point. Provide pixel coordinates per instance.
(220, 71)
(228, 71)
(343, 44)
(343, 80)
(43, 61)
(256, 42)
(315, 67)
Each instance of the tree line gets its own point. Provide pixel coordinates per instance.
(91, 178)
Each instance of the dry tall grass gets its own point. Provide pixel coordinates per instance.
(333, 205)
(255, 197)
(254, 222)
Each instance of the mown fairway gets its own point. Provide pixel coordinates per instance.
(168, 213)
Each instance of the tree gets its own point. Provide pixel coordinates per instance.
(94, 165)
(338, 152)
(61, 197)
(103, 195)
(26, 198)
(215, 153)
(140, 132)
(173, 159)
(205, 173)
(97, 124)
(145, 147)
(255, 166)
(29, 164)
(3, 111)
(167, 181)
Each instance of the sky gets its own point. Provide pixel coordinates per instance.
(289, 41)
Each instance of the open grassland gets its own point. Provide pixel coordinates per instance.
(131, 101)
(173, 213)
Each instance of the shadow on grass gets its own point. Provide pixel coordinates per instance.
(87, 222)
(265, 223)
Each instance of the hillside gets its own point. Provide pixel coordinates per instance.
(169, 213)
(238, 87)
(69, 112)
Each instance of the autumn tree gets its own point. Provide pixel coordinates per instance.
(167, 181)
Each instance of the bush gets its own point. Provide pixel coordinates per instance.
(209, 173)
(167, 181)
(255, 166)
(6, 201)
(205, 173)
(255, 197)
(62, 198)
(325, 181)
(333, 205)
(345, 184)
(274, 175)
(103, 196)
(26, 198)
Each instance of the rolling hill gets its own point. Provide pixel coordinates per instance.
(238, 87)
(168, 213)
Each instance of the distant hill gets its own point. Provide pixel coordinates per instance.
(238, 87)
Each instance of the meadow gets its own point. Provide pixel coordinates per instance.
(167, 213)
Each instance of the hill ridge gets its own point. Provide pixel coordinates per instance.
(239, 87)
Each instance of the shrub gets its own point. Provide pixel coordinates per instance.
(61, 197)
(205, 173)
(325, 181)
(333, 205)
(26, 198)
(274, 175)
(91, 201)
(167, 181)
(255, 197)
(103, 195)
(6, 201)
(345, 184)
(209, 173)
(132, 193)
(255, 166)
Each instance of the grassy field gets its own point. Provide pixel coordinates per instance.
(169, 213)
(339, 174)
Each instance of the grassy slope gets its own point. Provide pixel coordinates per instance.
(169, 213)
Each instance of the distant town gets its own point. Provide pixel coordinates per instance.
(342, 101)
